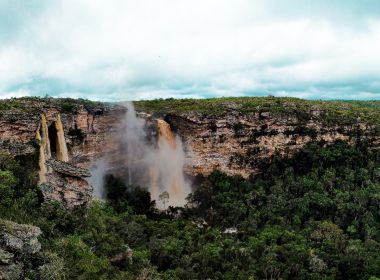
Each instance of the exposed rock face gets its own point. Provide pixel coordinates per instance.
(92, 135)
(58, 179)
(78, 136)
(88, 132)
(72, 191)
(17, 130)
(65, 183)
(61, 147)
(18, 243)
(68, 169)
(236, 143)
(233, 141)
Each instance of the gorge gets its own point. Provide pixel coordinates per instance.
(270, 188)
(146, 149)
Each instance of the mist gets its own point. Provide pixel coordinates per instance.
(153, 158)
(157, 165)
(97, 179)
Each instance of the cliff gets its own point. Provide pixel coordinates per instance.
(18, 247)
(86, 125)
(235, 135)
(67, 135)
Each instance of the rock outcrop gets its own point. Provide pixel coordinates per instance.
(58, 179)
(68, 169)
(237, 144)
(239, 138)
(17, 130)
(76, 132)
(18, 246)
(236, 139)
(72, 191)
(65, 182)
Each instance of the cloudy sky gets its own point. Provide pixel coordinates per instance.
(128, 50)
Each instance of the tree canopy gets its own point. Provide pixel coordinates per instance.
(315, 215)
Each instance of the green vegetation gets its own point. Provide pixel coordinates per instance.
(345, 112)
(313, 216)
(328, 112)
(65, 105)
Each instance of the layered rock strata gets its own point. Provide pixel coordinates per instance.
(234, 141)
(59, 180)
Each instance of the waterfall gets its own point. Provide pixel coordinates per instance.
(159, 167)
(166, 136)
(170, 162)
(62, 153)
(98, 173)
(135, 144)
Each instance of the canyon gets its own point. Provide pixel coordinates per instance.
(76, 138)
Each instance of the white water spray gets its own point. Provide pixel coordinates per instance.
(159, 167)
(137, 150)
(98, 173)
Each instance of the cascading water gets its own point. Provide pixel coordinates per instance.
(135, 143)
(162, 164)
(170, 162)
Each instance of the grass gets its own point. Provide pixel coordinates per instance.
(331, 112)
(339, 112)
(65, 105)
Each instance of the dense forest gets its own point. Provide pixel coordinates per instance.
(315, 215)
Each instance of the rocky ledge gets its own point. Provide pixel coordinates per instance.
(18, 245)
(68, 169)
(65, 182)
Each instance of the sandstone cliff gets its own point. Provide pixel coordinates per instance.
(237, 135)
(66, 135)
(233, 135)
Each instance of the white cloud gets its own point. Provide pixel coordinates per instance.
(132, 49)
(18, 93)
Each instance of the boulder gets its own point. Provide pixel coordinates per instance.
(18, 243)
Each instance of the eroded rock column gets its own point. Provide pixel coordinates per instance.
(62, 153)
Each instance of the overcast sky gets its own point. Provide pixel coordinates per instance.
(128, 50)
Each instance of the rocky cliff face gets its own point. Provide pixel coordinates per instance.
(89, 130)
(21, 256)
(238, 143)
(235, 136)
(66, 138)
(18, 247)
(17, 131)
(65, 182)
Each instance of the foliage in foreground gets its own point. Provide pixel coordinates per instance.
(314, 216)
